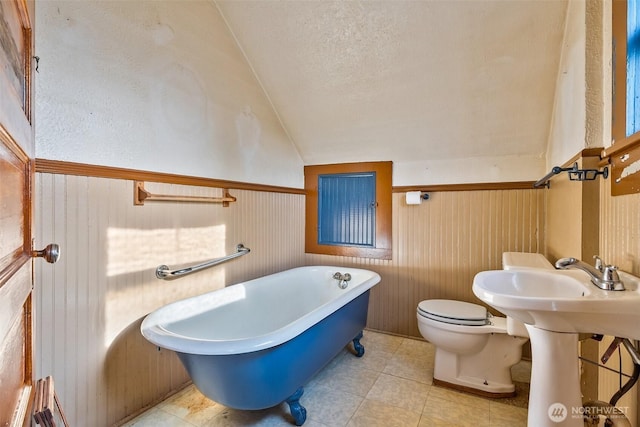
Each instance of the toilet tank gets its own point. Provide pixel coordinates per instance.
(511, 260)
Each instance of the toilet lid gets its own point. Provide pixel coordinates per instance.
(455, 312)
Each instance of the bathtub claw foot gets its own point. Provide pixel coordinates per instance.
(298, 411)
(357, 346)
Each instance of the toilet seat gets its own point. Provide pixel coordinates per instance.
(454, 312)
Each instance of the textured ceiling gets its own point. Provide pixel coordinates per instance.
(405, 80)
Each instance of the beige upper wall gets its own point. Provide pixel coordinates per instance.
(582, 106)
(154, 85)
(566, 137)
(450, 91)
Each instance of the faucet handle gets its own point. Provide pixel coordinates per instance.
(598, 264)
(610, 273)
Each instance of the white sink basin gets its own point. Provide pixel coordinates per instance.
(555, 306)
(562, 301)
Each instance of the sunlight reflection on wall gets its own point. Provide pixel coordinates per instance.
(132, 258)
(135, 250)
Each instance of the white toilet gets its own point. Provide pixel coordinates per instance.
(475, 350)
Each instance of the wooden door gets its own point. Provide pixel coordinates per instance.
(16, 177)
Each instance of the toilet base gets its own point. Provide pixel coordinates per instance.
(474, 390)
(487, 372)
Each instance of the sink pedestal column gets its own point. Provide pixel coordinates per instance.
(555, 398)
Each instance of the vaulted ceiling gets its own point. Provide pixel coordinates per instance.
(405, 80)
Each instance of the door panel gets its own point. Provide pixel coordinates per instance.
(16, 177)
(14, 293)
(14, 171)
(15, 285)
(12, 365)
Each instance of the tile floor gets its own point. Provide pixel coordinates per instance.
(391, 385)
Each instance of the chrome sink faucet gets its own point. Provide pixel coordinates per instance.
(602, 275)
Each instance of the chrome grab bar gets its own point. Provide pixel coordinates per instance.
(163, 272)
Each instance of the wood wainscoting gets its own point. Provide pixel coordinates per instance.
(439, 246)
(92, 301)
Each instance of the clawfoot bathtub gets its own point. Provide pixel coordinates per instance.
(255, 344)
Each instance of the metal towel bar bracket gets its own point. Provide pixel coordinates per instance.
(163, 272)
(575, 174)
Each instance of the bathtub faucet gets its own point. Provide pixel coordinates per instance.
(603, 276)
(343, 279)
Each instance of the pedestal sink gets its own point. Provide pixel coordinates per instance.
(556, 306)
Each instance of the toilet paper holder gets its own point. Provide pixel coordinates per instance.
(416, 197)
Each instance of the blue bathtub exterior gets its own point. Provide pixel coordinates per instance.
(266, 378)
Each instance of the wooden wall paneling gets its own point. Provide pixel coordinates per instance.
(92, 301)
(619, 245)
(440, 245)
(44, 201)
